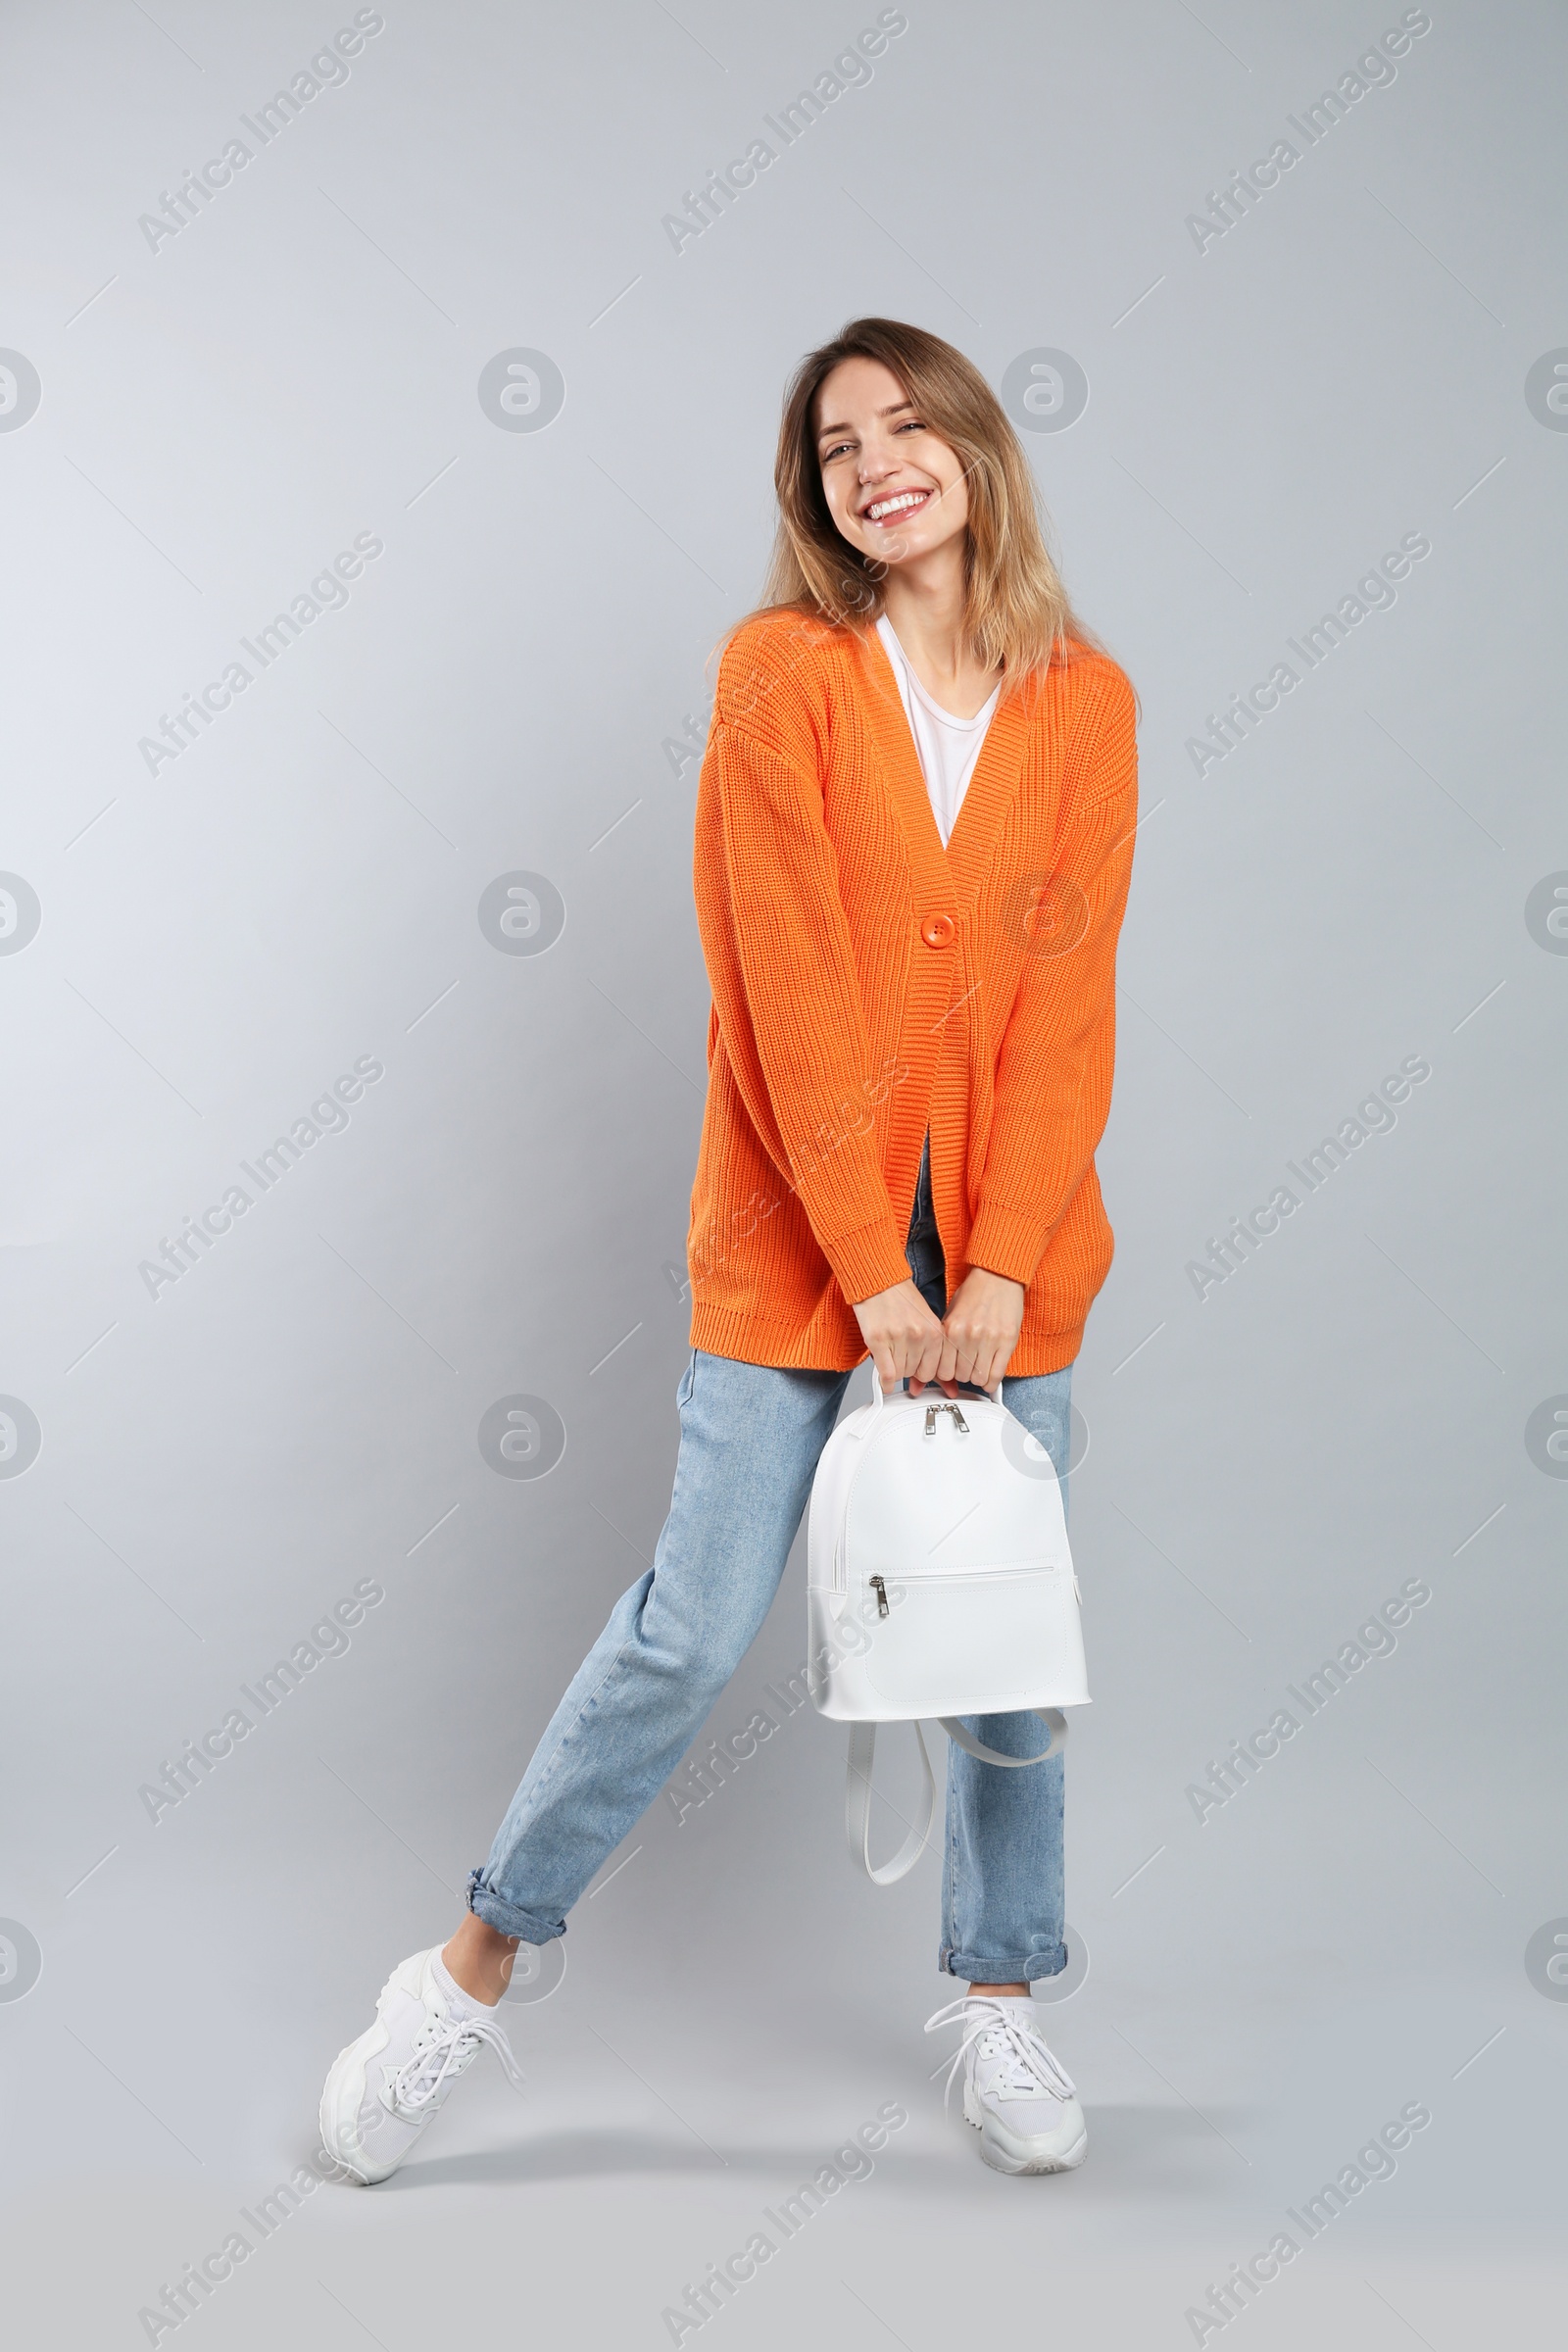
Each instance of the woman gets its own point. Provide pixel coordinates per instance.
(915, 831)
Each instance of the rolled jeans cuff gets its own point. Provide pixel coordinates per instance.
(1017, 1967)
(508, 1919)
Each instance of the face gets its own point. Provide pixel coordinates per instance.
(892, 488)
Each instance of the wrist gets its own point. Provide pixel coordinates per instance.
(990, 1275)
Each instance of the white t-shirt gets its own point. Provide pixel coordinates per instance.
(947, 746)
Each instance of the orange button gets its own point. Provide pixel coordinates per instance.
(937, 930)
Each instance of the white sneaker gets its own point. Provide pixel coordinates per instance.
(383, 2089)
(1019, 2099)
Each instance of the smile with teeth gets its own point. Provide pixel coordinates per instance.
(904, 502)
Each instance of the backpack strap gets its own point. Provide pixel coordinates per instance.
(858, 1808)
(858, 1788)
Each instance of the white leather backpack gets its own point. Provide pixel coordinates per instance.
(939, 1584)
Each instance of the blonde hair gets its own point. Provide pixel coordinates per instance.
(1017, 612)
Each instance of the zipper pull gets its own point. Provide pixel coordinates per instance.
(881, 1592)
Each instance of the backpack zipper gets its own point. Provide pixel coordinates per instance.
(916, 1581)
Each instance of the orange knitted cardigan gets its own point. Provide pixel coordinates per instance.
(867, 983)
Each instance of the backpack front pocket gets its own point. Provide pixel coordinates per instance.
(1001, 1637)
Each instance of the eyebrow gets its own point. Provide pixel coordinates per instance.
(897, 410)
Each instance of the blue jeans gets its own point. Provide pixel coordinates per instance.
(750, 1438)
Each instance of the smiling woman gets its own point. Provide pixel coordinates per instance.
(915, 832)
(915, 432)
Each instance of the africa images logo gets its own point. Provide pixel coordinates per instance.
(21, 1437)
(850, 70)
(20, 1960)
(327, 1115)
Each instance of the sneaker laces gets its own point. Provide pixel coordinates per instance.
(443, 2051)
(1026, 2064)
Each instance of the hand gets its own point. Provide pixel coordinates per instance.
(981, 1331)
(905, 1336)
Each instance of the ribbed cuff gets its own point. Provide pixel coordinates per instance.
(1006, 1241)
(869, 1259)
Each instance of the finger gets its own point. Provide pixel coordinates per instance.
(928, 1363)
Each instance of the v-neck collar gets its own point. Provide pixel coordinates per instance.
(977, 720)
(954, 873)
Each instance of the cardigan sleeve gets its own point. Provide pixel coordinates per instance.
(1054, 1069)
(787, 994)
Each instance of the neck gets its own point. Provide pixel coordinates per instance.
(924, 602)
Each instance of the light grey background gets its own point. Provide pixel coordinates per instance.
(219, 418)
